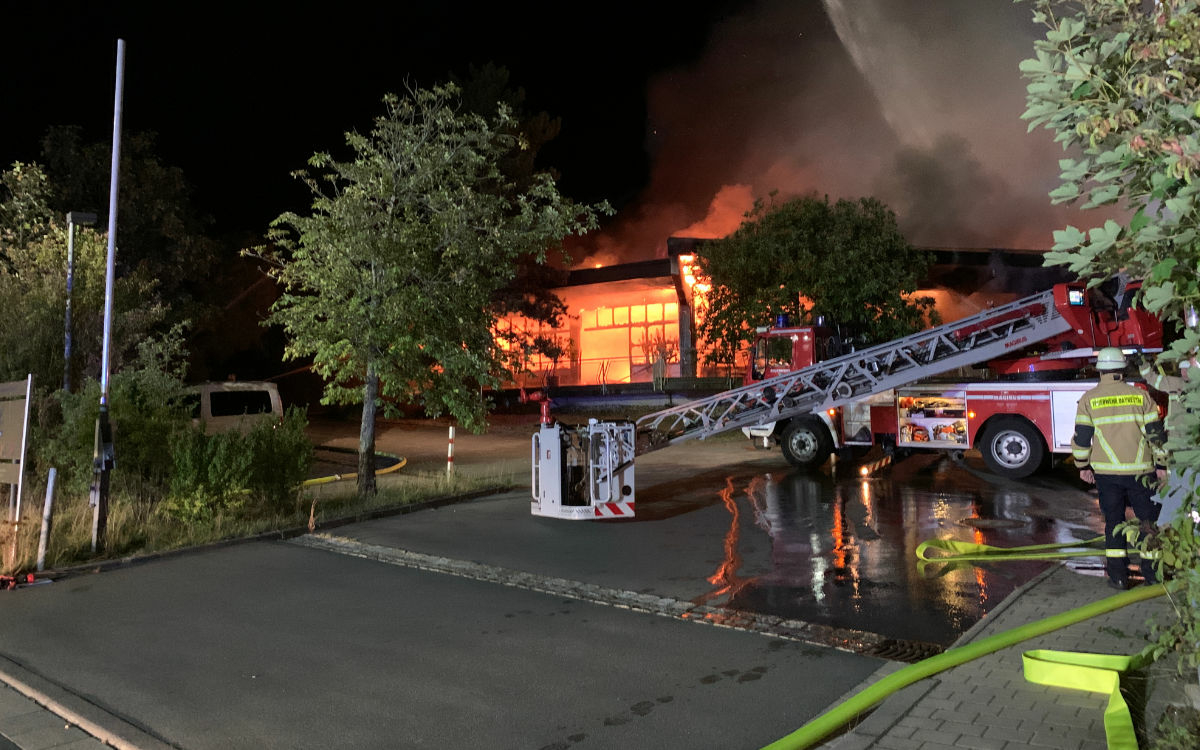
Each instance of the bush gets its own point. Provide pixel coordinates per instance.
(282, 457)
(145, 406)
(256, 473)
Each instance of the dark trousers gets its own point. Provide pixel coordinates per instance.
(1118, 492)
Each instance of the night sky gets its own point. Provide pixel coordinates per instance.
(678, 113)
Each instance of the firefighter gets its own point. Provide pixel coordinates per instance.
(1118, 447)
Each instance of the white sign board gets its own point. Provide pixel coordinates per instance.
(14, 428)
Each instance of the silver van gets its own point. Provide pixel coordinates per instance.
(233, 405)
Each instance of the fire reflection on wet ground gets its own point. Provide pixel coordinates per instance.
(840, 551)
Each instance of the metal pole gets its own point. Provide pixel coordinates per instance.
(103, 457)
(70, 285)
(111, 264)
(82, 219)
(450, 453)
(46, 511)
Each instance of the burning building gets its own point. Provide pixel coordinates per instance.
(635, 322)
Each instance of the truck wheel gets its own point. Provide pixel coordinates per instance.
(806, 442)
(1012, 447)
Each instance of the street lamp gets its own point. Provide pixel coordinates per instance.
(103, 456)
(84, 220)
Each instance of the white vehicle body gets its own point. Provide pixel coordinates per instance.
(226, 406)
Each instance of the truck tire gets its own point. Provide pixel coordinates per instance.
(806, 442)
(1012, 447)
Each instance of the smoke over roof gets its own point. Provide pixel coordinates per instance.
(915, 102)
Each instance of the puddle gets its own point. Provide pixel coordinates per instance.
(840, 552)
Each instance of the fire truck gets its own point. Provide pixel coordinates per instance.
(805, 393)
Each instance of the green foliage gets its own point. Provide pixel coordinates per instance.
(209, 475)
(1180, 635)
(282, 457)
(251, 474)
(1177, 729)
(391, 278)
(24, 206)
(1117, 81)
(807, 257)
(145, 408)
(160, 231)
(33, 287)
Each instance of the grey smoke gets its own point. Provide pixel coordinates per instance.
(916, 102)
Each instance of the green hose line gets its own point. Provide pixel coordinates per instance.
(842, 714)
(1097, 673)
(953, 553)
(956, 551)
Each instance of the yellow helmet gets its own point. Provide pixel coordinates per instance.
(1110, 358)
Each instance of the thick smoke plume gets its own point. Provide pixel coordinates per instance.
(915, 102)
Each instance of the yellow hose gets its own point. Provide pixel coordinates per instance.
(1048, 667)
(400, 463)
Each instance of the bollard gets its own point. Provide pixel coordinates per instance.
(450, 454)
(45, 537)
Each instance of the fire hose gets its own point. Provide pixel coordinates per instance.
(399, 464)
(1093, 672)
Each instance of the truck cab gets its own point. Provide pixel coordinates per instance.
(782, 348)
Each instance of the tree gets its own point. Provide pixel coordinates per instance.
(389, 282)
(1118, 82)
(33, 286)
(24, 208)
(807, 257)
(161, 234)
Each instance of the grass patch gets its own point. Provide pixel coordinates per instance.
(138, 525)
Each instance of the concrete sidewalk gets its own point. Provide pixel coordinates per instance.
(986, 704)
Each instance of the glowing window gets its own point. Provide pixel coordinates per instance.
(653, 313)
(621, 316)
(637, 314)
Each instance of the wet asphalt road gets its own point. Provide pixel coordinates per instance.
(274, 644)
(759, 537)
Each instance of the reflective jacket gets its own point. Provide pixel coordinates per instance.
(1117, 429)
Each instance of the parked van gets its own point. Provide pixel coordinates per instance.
(233, 405)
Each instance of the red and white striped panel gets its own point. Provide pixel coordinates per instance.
(614, 510)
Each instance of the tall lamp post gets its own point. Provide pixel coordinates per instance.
(104, 455)
(83, 220)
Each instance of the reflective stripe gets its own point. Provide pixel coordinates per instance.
(1110, 402)
(1147, 555)
(1120, 419)
(1106, 467)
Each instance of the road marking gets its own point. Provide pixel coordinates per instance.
(843, 639)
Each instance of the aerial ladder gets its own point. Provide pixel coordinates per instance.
(587, 471)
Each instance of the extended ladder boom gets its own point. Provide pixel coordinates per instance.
(838, 381)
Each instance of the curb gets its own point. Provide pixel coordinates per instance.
(99, 722)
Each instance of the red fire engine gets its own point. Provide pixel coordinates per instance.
(1018, 409)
